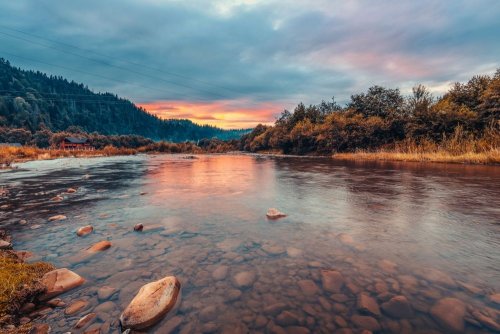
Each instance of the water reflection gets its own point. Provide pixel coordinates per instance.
(386, 228)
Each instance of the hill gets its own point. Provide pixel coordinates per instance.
(34, 100)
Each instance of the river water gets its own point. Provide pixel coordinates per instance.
(422, 231)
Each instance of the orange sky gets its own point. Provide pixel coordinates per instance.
(234, 114)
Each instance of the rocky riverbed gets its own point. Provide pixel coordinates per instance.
(343, 257)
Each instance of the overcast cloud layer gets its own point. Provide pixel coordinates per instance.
(238, 63)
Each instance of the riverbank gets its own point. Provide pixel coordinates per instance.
(483, 158)
(20, 284)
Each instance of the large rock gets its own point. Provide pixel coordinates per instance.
(83, 231)
(398, 307)
(153, 301)
(332, 280)
(273, 213)
(449, 313)
(59, 281)
(368, 305)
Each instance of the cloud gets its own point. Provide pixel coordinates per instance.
(252, 53)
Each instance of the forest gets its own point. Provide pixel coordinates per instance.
(465, 119)
(37, 102)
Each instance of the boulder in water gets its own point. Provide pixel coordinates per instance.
(153, 301)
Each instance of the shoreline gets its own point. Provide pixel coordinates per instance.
(487, 159)
(491, 158)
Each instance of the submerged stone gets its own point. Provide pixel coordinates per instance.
(449, 313)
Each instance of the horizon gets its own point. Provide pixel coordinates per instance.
(235, 64)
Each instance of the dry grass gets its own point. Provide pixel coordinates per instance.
(19, 282)
(459, 148)
(9, 155)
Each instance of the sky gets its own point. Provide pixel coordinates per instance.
(238, 63)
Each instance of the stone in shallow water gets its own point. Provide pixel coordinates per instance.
(273, 213)
(273, 249)
(170, 326)
(59, 281)
(99, 247)
(495, 298)
(287, 318)
(438, 277)
(367, 305)
(293, 252)
(105, 292)
(85, 230)
(387, 266)
(57, 217)
(5, 245)
(308, 287)
(398, 307)
(449, 313)
(220, 272)
(366, 322)
(85, 320)
(244, 279)
(153, 301)
(332, 280)
(76, 307)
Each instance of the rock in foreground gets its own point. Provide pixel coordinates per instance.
(59, 281)
(153, 301)
(273, 213)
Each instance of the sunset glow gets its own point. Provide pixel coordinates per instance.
(224, 114)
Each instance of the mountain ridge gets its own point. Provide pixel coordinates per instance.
(34, 100)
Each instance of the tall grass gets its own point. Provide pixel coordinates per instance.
(460, 147)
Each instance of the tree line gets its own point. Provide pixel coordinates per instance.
(37, 102)
(383, 117)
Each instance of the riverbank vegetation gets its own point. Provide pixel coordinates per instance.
(19, 284)
(461, 126)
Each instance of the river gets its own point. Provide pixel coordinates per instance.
(422, 231)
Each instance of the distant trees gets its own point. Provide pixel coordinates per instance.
(31, 99)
